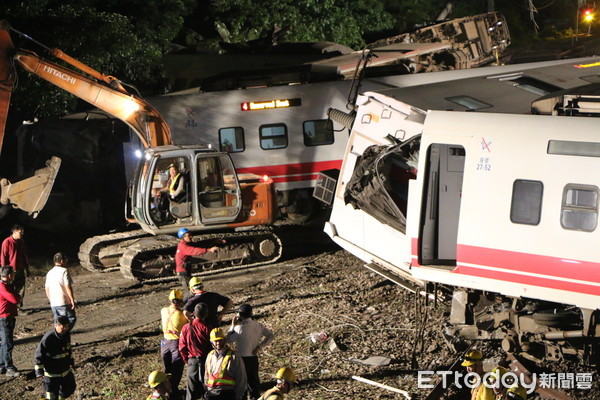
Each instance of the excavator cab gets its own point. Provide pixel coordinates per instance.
(182, 186)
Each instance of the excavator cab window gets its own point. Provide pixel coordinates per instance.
(218, 189)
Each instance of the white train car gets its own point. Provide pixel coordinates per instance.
(284, 131)
(483, 203)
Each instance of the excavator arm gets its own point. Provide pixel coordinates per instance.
(102, 91)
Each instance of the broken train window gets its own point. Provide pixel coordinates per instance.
(379, 183)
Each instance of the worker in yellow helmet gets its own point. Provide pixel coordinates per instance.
(159, 382)
(515, 393)
(286, 379)
(496, 382)
(225, 374)
(473, 361)
(172, 321)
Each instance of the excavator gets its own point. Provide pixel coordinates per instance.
(203, 192)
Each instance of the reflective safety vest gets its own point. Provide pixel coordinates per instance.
(173, 185)
(220, 378)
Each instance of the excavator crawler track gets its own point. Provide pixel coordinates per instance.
(101, 252)
(153, 258)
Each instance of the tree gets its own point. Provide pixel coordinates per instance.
(341, 21)
(124, 39)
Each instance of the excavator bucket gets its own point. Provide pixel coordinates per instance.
(30, 194)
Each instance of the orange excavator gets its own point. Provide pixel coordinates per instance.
(174, 187)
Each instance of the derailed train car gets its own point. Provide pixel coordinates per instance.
(499, 209)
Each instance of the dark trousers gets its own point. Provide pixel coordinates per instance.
(61, 387)
(169, 351)
(195, 378)
(19, 284)
(7, 329)
(251, 364)
(222, 395)
(184, 279)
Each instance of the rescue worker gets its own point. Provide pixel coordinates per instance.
(172, 321)
(496, 382)
(211, 299)
(54, 361)
(225, 375)
(185, 250)
(249, 336)
(515, 393)
(473, 361)
(14, 253)
(194, 346)
(9, 299)
(159, 381)
(286, 379)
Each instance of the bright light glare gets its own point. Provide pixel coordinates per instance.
(129, 107)
(138, 153)
(148, 157)
(265, 178)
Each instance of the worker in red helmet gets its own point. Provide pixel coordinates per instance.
(185, 250)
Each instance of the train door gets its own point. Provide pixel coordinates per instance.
(219, 194)
(440, 206)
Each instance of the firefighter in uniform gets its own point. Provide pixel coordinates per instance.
(286, 379)
(54, 361)
(225, 375)
(159, 382)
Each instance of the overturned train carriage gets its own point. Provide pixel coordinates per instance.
(502, 209)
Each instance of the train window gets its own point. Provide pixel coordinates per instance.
(579, 209)
(526, 203)
(231, 140)
(318, 132)
(273, 136)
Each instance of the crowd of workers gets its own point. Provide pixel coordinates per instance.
(221, 364)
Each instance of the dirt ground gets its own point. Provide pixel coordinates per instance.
(116, 339)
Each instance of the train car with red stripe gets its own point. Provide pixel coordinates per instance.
(497, 210)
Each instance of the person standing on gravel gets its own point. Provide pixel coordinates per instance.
(14, 253)
(59, 290)
(172, 321)
(211, 299)
(194, 346)
(9, 299)
(185, 250)
(225, 375)
(249, 336)
(54, 361)
(286, 379)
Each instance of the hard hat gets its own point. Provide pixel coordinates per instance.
(472, 357)
(497, 372)
(172, 165)
(182, 232)
(176, 295)
(286, 374)
(516, 393)
(245, 310)
(196, 282)
(156, 378)
(217, 334)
